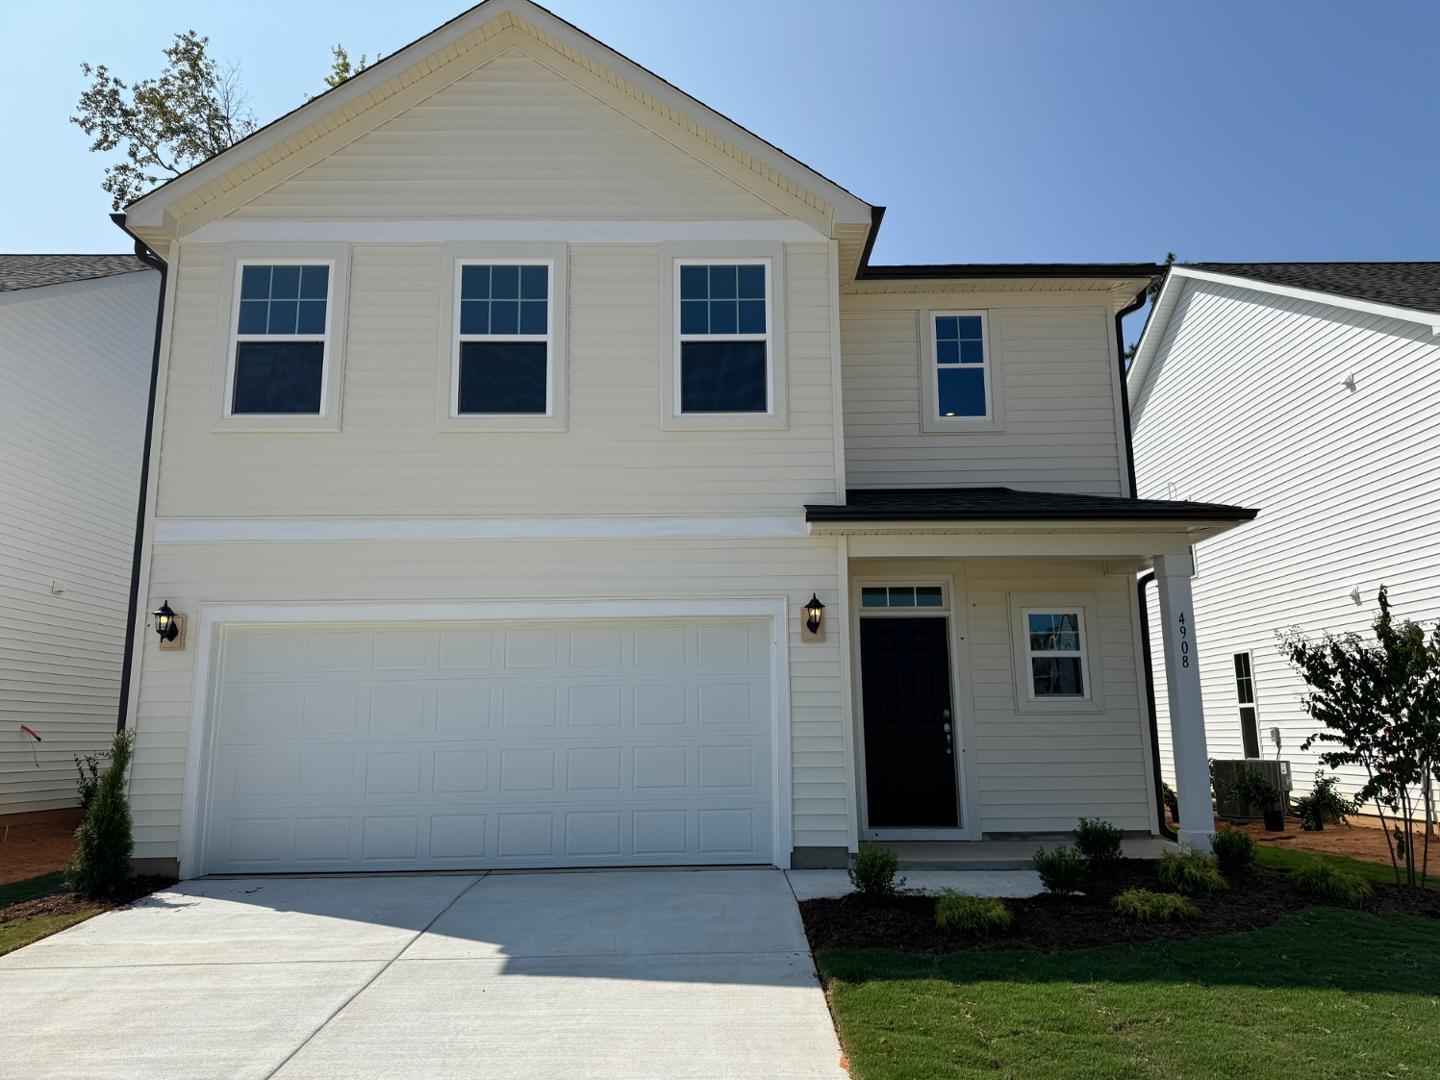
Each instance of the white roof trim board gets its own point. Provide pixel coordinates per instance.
(1175, 284)
(150, 210)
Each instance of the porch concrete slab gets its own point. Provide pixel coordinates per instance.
(603, 1018)
(636, 913)
(276, 920)
(812, 884)
(176, 1020)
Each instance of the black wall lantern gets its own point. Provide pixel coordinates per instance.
(815, 618)
(169, 626)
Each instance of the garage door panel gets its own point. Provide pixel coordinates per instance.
(492, 745)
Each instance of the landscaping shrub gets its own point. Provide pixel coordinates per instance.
(977, 915)
(1192, 872)
(1320, 879)
(1172, 802)
(1098, 841)
(1061, 870)
(1234, 852)
(1324, 805)
(103, 842)
(873, 873)
(87, 778)
(1143, 905)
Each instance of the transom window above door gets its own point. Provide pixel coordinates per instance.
(502, 363)
(1055, 646)
(724, 330)
(902, 596)
(282, 332)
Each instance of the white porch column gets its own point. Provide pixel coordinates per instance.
(1187, 713)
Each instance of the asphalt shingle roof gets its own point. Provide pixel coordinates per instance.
(1414, 285)
(1007, 504)
(35, 271)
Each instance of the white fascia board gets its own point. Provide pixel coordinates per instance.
(1155, 329)
(149, 210)
(443, 231)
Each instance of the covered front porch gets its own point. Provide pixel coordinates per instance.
(999, 668)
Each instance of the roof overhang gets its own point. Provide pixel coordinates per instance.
(155, 210)
(1179, 278)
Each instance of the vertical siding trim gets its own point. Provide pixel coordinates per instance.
(841, 622)
(836, 382)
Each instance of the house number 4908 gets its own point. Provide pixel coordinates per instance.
(1184, 642)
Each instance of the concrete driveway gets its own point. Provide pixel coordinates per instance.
(644, 974)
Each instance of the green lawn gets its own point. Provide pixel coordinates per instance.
(21, 932)
(1323, 993)
(1282, 858)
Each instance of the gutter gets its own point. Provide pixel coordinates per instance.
(145, 255)
(1134, 305)
(1142, 586)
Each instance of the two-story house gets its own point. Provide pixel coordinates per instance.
(1323, 377)
(546, 477)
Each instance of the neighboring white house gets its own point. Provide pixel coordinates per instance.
(1308, 389)
(76, 337)
(514, 407)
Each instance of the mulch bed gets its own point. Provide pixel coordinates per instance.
(66, 903)
(1052, 923)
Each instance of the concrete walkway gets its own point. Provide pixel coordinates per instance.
(683, 974)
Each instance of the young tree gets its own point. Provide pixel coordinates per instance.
(1379, 706)
(103, 842)
(342, 68)
(192, 111)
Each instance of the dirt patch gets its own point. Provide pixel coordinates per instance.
(67, 903)
(1362, 839)
(36, 843)
(1052, 923)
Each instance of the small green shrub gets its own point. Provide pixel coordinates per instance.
(103, 842)
(1234, 851)
(1324, 805)
(1320, 879)
(873, 873)
(977, 915)
(1251, 787)
(1098, 841)
(1143, 905)
(87, 778)
(1061, 870)
(1172, 802)
(1191, 872)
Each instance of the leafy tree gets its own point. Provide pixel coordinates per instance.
(192, 111)
(104, 840)
(1151, 292)
(342, 68)
(1379, 704)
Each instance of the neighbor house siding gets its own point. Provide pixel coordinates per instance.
(1036, 771)
(1247, 406)
(1057, 379)
(512, 139)
(192, 575)
(74, 378)
(390, 458)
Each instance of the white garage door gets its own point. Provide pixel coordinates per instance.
(460, 745)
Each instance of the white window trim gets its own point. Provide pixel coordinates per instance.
(554, 256)
(1022, 605)
(930, 419)
(332, 373)
(772, 257)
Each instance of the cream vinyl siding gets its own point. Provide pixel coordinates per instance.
(1247, 406)
(390, 459)
(512, 139)
(1039, 770)
(74, 379)
(1057, 383)
(188, 575)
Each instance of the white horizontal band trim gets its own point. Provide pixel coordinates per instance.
(442, 231)
(250, 530)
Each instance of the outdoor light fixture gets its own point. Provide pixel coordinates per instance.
(169, 626)
(814, 618)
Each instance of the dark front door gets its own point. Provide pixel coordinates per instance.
(909, 736)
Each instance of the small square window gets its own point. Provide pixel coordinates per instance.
(503, 340)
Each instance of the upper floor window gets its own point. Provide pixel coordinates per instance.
(724, 337)
(502, 363)
(281, 335)
(1055, 648)
(961, 369)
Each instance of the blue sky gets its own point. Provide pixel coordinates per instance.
(1010, 130)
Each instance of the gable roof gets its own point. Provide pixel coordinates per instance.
(36, 271)
(425, 58)
(1008, 504)
(1409, 291)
